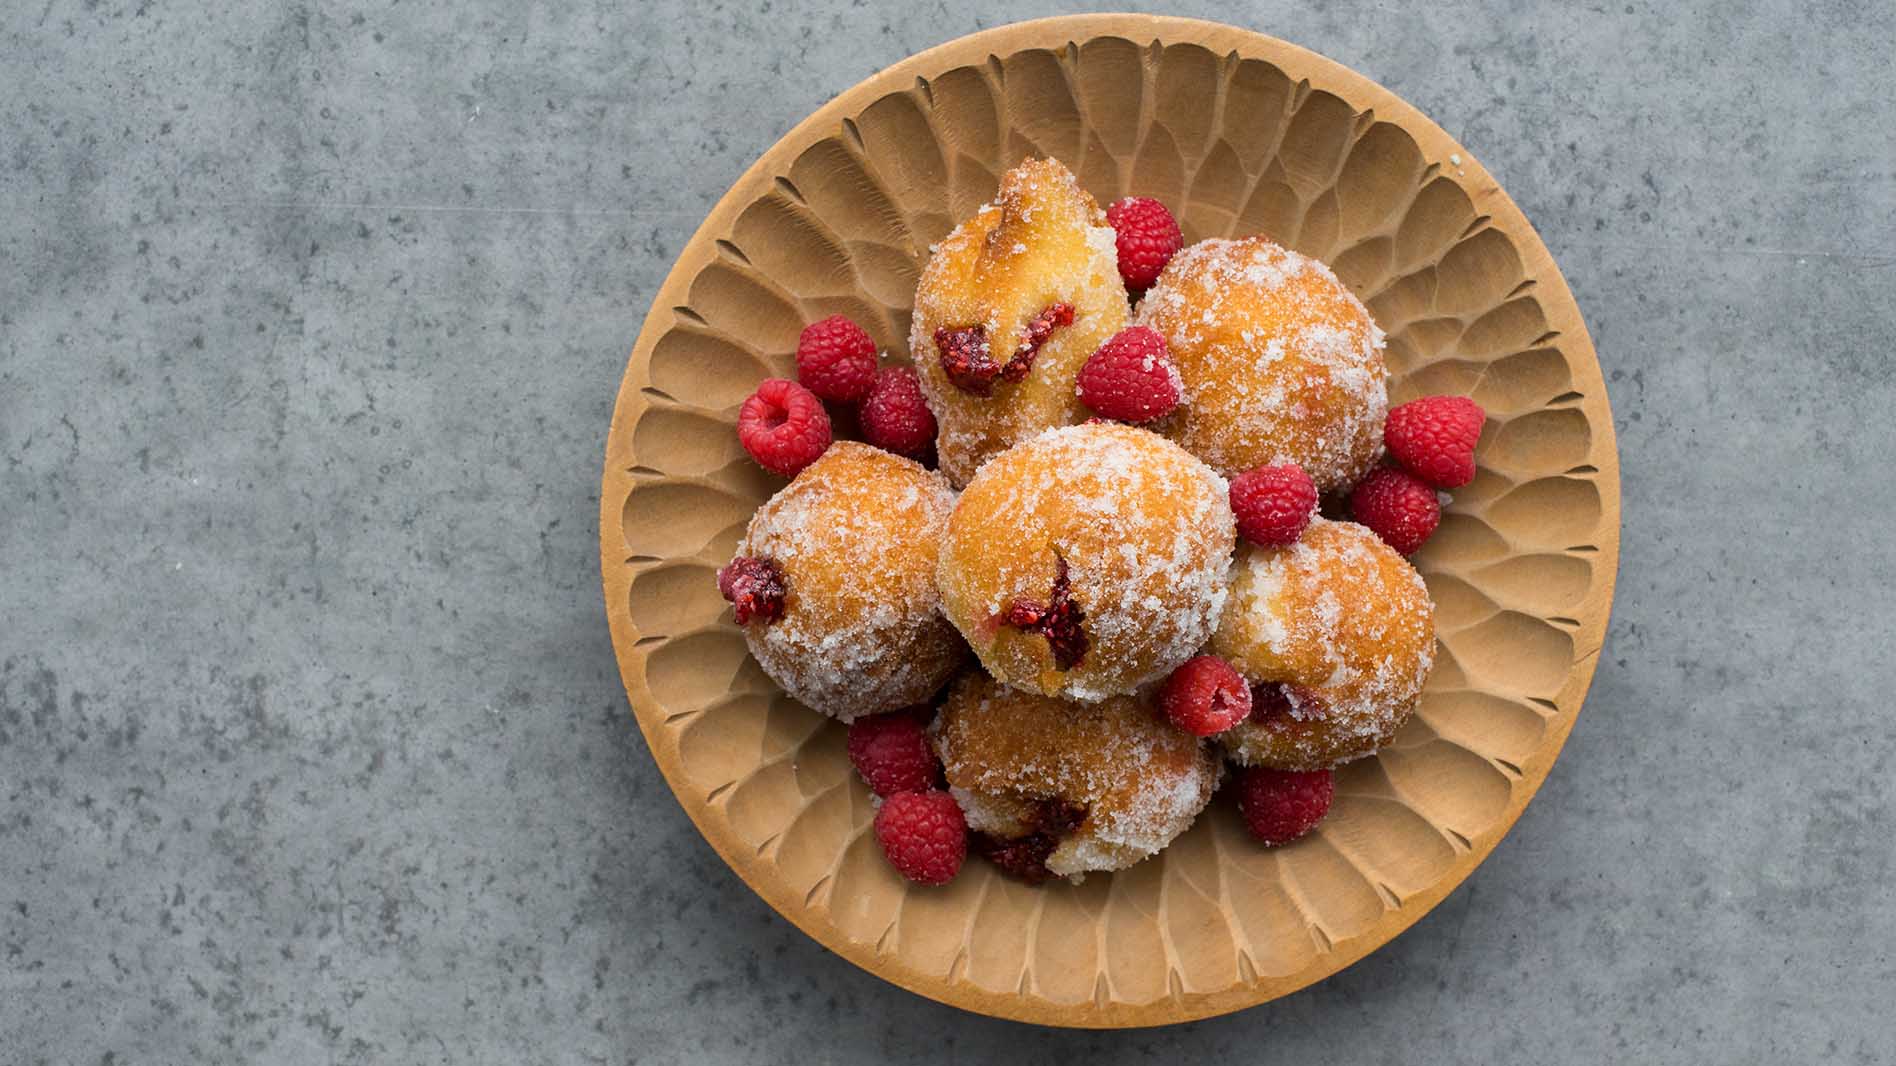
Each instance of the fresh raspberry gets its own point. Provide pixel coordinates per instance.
(1400, 509)
(783, 426)
(1147, 237)
(968, 359)
(891, 753)
(1435, 437)
(1205, 696)
(895, 417)
(1059, 620)
(1281, 805)
(754, 587)
(1130, 377)
(924, 835)
(836, 359)
(1273, 503)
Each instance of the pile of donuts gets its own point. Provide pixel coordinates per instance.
(1137, 511)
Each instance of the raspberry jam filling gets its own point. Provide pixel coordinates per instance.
(754, 588)
(1272, 706)
(1059, 620)
(968, 359)
(1041, 328)
(1025, 857)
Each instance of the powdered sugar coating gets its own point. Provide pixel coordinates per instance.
(1140, 782)
(1279, 362)
(1346, 624)
(1042, 241)
(1146, 533)
(856, 536)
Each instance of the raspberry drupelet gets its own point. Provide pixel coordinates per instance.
(1402, 510)
(1280, 806)
(783, 426)
(836, 360)
(895, 417)
(923, 835)
(1130, 378)
(1434, 438)
(1146, 237)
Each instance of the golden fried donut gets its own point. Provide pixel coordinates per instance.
(1088, 561)
(840, 568)
(1344, 625)
(1009, 307)
(1109, 782)
(1280, 363)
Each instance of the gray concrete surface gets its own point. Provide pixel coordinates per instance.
(311, 744)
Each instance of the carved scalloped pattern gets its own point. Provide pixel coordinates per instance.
(1240, 134)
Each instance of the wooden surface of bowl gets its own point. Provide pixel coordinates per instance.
(1239, 133)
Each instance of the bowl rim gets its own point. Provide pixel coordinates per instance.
(1056, 34)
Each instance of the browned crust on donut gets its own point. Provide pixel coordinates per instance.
(1347, 625)
(1042, 241)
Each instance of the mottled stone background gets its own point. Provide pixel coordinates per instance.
(312, 748)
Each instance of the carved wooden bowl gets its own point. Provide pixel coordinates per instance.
(1240, 134)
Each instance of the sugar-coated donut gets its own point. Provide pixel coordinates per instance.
(1106, 783)
(1088, 561)
(1338, 633)
(852, 544)
(1009, 307)
(1280, 362)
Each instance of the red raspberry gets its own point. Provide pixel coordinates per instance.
(836, 359)
(783, 426)
(924, 835)
(1435, 437)
(1281, 805)
(1400, 509)
(1130, 377)
(1147, 236)
(895, 417)
(754, 587)
(1205, 697)
(891, 753)
(1273, 503)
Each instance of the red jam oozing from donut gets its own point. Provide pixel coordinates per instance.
(754, 587)
(1059, 620)
(1272, 705)
(1025, 857)
(968, 359)
(1041, 328)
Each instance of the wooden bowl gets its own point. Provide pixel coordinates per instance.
(1238, 133)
